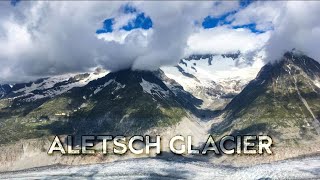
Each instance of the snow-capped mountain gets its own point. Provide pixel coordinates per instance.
(48, 87)
(283, 101)
(216, 79)
(123, 101)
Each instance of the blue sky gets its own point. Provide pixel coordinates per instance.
(144, 22)
(140, 21)
(245, 3)
(14, 2)
(211, 22)
(107, 26)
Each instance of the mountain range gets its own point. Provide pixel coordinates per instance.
(281, 98)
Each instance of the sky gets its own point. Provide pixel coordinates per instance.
(40, 38)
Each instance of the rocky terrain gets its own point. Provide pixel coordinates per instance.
(283, 101)
(202, 95)
(215, 79)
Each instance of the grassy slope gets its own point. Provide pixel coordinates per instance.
(272, 105)
(115, 109)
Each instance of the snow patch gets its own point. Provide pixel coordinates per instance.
(317, 83)
(99, 88)
(223, 71)
(47, 86)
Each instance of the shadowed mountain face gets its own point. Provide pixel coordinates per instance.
(4, 90)
(283, 100)
(125, 102)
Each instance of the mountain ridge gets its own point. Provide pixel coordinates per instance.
(125, 101)
(283, 100)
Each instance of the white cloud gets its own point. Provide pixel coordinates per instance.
(298, 27)
(44, 38)
(224, 39)
(220, 8)
(173, 24)
(294, 24)
(261, 13)
(121, 36)
(123, 20)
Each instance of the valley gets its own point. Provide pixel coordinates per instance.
(203, 95)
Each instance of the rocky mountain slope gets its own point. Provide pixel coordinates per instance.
(125, 102)
(48, 87)
(282, 101)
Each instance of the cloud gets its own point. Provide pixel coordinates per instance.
(298, 27)
(173, 24)
(225, 39)
(261, 13)
(47, 38)
(44, 38)
(292, 24)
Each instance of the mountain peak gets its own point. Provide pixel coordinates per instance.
(296, 61)
(283, 99)
(292, 62)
